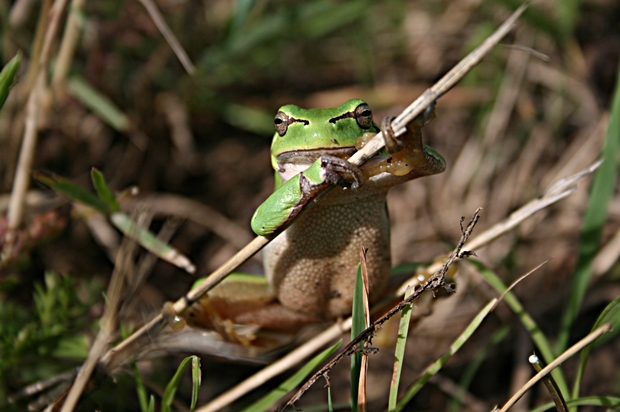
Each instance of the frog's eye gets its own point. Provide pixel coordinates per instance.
(281, 123)
(363, 115)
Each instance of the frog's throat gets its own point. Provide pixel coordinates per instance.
(307, 157)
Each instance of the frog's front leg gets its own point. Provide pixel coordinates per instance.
(285, 203)
(407, 154)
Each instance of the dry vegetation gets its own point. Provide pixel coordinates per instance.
(197, 147)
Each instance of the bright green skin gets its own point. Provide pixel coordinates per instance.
(319, 134)
(310, 267)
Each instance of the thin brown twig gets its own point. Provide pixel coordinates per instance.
(434, 282)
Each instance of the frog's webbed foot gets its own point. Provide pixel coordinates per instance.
(394, 144)
(407, 153)
(342, 173)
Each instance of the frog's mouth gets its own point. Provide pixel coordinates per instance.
(306, 157)
(296, 161)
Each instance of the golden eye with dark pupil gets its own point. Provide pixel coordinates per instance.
(281, 123)
(363, 115)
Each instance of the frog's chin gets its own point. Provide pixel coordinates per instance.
(296, 161)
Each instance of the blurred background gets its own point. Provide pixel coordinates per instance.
(197, 148)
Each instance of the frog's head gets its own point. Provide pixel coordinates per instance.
(302, 135)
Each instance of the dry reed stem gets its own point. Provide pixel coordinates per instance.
(108, 323)
(68, 43)
(159, 21)
(557, 362)
(33, 109)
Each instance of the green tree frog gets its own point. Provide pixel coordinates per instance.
(310, 267)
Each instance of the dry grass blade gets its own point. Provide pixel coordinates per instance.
(447, 82)
(159, 21)
(108, 324)
(33, 107)
(122, 352)
(516, 282)
(557, 191)
(558, 361)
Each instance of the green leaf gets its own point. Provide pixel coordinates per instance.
(358, 326)
(7, 77)
(602, 190)
(171, 388)
(540, 340)
(73, 191)
(609, 402)
(140, 388)
(473, 366)
(104, 191)
(101, 105)
(196, 380)
(438, 364)
(151, 407)
(150, 242)
(611, 314)
(292, 382)
(399, 352)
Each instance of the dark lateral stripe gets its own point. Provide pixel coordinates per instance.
(347, 115)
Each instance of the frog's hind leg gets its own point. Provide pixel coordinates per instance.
(276, 317)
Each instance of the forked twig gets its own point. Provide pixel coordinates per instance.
(433, 283)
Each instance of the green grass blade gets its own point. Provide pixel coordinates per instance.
(7, 77)
(196, 380)
(438, 364)
(611, 314)
(330, 404)
(151, 404)
(73, 191)
(399, 352)
(104, 191)
(140, 388)
(602, 191)
(292, 382)
(357, 326)
(101, 105)
(240, 15)
(609, 402)
(540, 340)
(473, 366)
(171, 388)
(150, 242)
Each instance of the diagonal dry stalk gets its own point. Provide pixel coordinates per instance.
(33, 108)
(123, 351)
(557, 362)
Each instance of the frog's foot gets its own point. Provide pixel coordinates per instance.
(392, 143)
(408, 154)
(277, 317)
(342, 173)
